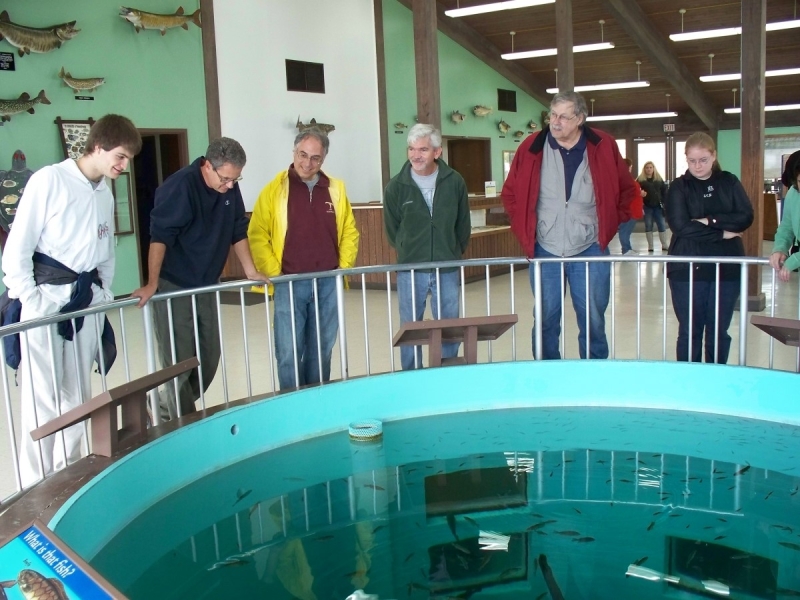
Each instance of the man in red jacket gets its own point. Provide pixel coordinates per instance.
(566, 194)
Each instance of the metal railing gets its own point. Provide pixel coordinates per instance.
(640, 323)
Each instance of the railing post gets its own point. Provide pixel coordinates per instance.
(537, 309)
(743, 316)
(342, 327)
(147, 319)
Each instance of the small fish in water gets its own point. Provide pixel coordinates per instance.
(742, 471)
(460, 548)
(568, 532)
(720, 537)
(35, 39)
(457, 117)
(583, 540)
(399, 125)
(577, 511)
(471, 521)
(408, 558)
(768, 495)
(519, 134)
(451, 523)
(145, 20)
(233, 562)
(378, 528)
(323, 538)
(503, 127)
(652, 524)
(482, 111)
(508, 571)
(241, 495)
(626, 481)
(312, 124)
(790, 545)
(22, 104)
(641, 561)
(374, 487)
(533, 125)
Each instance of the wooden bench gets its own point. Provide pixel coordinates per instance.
(786, 331)
(107, 435)
(467, 330)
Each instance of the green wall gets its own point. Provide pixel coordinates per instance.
(729, 146)
(156, 81)
(464, 80)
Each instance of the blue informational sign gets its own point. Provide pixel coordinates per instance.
(37, 560)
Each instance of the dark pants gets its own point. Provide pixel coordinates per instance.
(703, 318)
(183, 333)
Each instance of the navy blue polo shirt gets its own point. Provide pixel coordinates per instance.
(572, 159)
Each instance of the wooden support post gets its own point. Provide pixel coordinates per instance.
(754, 40)
(210, 70)
(383, 118)
(566, 61)
(426, 61)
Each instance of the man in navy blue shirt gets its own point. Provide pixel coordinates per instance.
(198, 215)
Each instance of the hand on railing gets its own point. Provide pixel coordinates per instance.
(776, 260)
(144, 293)
(257, 276)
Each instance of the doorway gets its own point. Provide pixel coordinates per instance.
(666, 153)
(470, 157)
(164, 151)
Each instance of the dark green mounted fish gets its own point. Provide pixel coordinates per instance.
(146, 20)
(33, 39)
(22, 104)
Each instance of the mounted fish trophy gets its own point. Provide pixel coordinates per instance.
(145, 20)
(35, 39)
(312, 124)
(89, 84)
(22, 104)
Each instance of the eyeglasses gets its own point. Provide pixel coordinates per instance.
(315, 160)
(699, 161)
(560, 118)
(226, 180)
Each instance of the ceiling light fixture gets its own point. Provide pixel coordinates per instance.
(728, 31)
(607, 86)
(494, 7)
(603, 45)
(658, 115)
(731, 111)
(735, 76)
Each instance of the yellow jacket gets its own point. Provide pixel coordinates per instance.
(268, 225)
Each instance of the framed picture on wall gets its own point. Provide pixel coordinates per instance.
(123, 213)
(73, 136)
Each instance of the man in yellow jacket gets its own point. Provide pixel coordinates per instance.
(303, 223)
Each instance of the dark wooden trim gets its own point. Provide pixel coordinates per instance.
(383, 117)
(565, 58)
(484, 50)
(210, 69)
(754, 53)
(426, 61)
(652, 42)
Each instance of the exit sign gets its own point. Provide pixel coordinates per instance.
(669, 127)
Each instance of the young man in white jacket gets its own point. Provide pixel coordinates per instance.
(67, 214)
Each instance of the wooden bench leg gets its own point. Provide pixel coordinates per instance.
(435, 348)
(471, 345)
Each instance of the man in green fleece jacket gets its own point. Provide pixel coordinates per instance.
(426, 214)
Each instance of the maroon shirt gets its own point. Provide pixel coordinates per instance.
(311, 237)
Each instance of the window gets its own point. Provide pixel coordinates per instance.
(305, 76)
(507, 100)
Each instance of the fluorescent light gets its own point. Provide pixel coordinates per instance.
(712, 33)
(735, 76)
(732, 111)
(639, 116)
(605, 86)
(494, 7)
(554, 51)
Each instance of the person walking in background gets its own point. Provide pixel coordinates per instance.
(60, 257)
(426, 216)
(707, 210)
(198, 217)
(566, 194)
(626, 228)
(654, 192)
(789, 229)
(303, 223)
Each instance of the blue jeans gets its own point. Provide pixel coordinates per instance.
(446, 294)
(654, 213)
(553, 303)
(703, 319)
(309, 346)
(625, 230)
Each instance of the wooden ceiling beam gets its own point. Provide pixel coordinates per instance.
(464, 35)
(650, 40)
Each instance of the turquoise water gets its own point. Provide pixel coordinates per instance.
(517, 503)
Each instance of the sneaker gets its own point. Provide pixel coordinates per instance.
(630, 252)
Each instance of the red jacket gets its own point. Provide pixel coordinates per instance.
(613, 186)
(637, 206)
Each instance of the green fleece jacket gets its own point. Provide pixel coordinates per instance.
(789, 229)
(416, 234)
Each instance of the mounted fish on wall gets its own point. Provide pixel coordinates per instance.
(313, 124)
(22, 104)
(89, 84)
(145, 20)
(35, 39)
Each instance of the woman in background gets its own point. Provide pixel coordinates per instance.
(625, 229)
(707, 210)
(654, 192)
(789, 230)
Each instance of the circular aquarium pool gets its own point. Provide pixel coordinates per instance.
(591, 479)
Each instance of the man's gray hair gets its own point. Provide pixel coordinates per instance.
(577, 101)
(423, 130)
(317, 134)
(226, 151)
